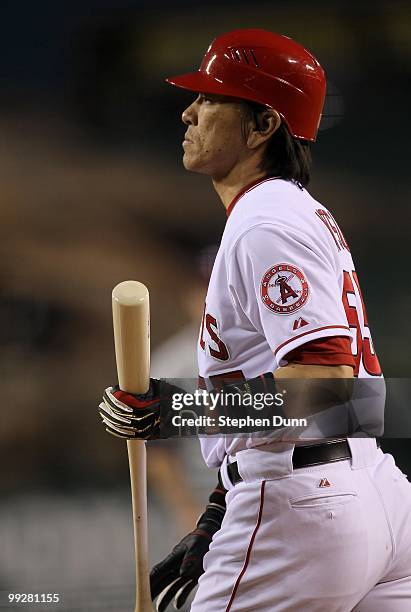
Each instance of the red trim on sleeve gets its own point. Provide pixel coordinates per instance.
(250, 547)
(313, 331)
(332, 351)
(246, 189)
(201, 383)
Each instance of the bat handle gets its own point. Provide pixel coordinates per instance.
(137, 458)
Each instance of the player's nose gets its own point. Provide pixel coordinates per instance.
(189, 115)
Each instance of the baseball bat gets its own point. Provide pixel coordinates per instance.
(131, 323)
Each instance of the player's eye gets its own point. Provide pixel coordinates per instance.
(205, 98)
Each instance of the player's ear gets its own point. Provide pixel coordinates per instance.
(266, 123)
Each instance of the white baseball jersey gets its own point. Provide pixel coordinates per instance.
(283, 276)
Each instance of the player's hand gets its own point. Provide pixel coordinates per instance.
(176, 576)
(136, 416)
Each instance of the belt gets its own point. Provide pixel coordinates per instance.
(305, 456)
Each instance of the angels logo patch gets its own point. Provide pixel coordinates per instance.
(284, 289)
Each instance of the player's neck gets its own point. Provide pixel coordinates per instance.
(231, 185)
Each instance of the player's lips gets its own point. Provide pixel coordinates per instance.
(187, 140)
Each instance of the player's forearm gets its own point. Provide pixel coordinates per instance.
(313, 388)
(296, 370)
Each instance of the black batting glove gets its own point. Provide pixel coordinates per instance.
(263, 383)
(235, 395)
(177, 575)
(137, 416)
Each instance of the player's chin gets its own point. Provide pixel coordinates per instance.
(192, 163)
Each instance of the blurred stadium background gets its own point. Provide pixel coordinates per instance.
(93, 192)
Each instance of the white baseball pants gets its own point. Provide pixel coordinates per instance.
(329, 538)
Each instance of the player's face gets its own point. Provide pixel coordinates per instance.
(214, 140)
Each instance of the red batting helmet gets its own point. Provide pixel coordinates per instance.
(267, 68)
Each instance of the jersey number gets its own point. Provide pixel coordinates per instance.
(219, 351)
(364, 351)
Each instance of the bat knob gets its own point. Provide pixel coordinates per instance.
(130, 293)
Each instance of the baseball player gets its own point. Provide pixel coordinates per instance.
(323, 525)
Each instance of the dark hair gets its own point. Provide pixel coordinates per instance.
(284, 155)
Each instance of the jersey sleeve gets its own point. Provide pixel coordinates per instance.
(333, 351)
(287, 287)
